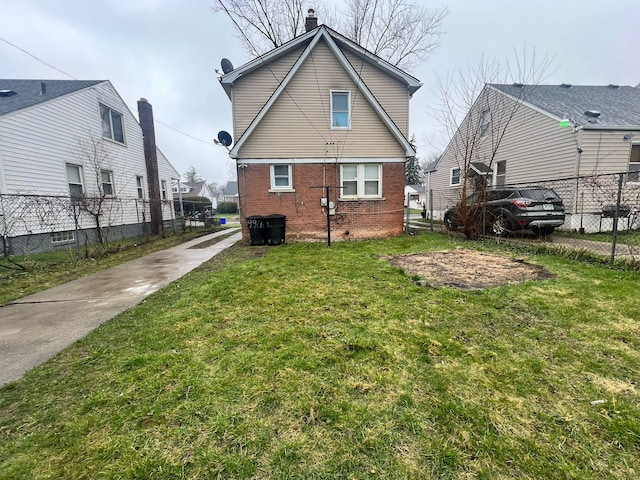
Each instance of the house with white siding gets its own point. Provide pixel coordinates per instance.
(72, 162)
(321, 128)
(558, 135)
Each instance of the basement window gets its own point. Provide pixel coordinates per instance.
(61, 238)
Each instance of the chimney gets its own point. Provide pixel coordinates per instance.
(312, 21)
(43, 88)
(145, 114)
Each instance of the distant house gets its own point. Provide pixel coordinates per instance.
(556, 133)
(72, 159)
(230, 192)
(417, 195)
(196, 189)
(321, 127)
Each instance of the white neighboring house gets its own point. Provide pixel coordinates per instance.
(64, 144)
(196, 189)
(417, 195)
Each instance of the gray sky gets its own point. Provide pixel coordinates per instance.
(167, 51)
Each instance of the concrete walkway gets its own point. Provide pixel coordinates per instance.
(34, 328)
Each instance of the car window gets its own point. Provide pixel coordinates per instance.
(539, 194)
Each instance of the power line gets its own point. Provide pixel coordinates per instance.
(38, 59)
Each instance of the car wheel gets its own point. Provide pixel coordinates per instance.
(543, 231)
(501, 226)
(448, 223)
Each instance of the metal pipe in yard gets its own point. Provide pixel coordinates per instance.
(406, 222)
(615, 218)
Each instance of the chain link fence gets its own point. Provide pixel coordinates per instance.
(602, 214)
(62, 228)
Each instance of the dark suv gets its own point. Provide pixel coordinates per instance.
(508, 209)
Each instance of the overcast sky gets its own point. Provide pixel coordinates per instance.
(168, 50)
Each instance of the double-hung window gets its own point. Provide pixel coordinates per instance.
(74, 179)
(455, 177)
(501, 173)
(106, 178)
(341, 110)
(112, 126)
(140, 187)
(485, 122)
(361, 180)
(634, 164)
(281, 176)
(163, 189)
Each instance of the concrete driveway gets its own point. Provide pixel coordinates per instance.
(34, 328)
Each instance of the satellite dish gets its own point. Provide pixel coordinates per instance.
(226, 65)
(224, 138)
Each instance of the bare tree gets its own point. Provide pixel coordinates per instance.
(476, 118)
(402, 32)
(95, 153)
(192, 175)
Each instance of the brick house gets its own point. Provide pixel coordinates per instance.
(321, 111)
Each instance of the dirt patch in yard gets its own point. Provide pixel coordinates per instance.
(467, 269)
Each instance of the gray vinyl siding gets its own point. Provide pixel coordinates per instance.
(604, 152)
(299, 123)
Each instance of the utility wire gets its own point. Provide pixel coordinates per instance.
(38, 59)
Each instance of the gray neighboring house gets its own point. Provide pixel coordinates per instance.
(230, 192)
(558, 132)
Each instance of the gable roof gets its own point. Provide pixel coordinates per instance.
(30, 92)
(336, 43)
(619, 106)
(231, 188)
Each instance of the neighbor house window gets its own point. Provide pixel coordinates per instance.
(634, 164)
(485, 122)
(361, 180)
(58, 238)
(501, 173)
(74, 179)
(455, 177)
(140, 187)
(112, 127)
(163, 188)
(106, 178)
(281, 176)
(340, 110)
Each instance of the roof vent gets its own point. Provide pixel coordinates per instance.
(611, 85)
(592, 113)
(7, 93)
(43, 88)
(518, 85)
(565, 85)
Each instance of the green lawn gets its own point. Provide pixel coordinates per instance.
(302, 361)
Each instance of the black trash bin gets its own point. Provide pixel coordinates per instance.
(276, 224)
(257, 229)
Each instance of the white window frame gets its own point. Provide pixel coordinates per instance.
(108, 187)
(362, 180)
(70, 183)
(140, 186)
(348, 112)
(451, 177)
(62, 238)
(634, 167)
(163, 189)
(497, 175)
(485, 122)
(276, 176)
(107, 116)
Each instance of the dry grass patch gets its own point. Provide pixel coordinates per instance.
(468, 269)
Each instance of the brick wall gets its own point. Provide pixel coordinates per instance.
(306, 219)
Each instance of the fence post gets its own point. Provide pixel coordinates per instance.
(406, 222)
(615, 218)
(431, 207)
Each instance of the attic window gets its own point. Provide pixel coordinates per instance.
(592, 113)
(7, 93)
(340, 110)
